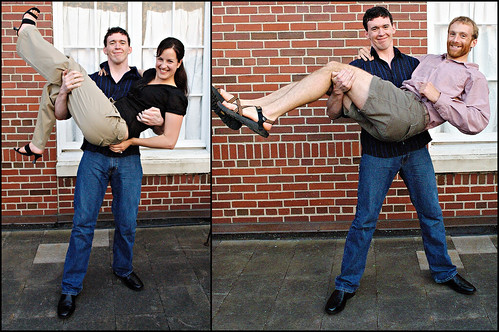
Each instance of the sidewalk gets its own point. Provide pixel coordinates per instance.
(172, 262)
(284, 285)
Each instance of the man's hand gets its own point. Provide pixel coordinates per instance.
(342, 80)
(70, 81)
(151, 117)
(365, 54)
(429, 91)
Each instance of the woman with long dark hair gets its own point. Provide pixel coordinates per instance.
(104, 122)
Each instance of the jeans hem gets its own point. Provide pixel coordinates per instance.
(346, 290)
(446, 279)
(123, 276)
(70, 293)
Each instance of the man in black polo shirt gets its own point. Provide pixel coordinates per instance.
(380, 163)
(98, 167)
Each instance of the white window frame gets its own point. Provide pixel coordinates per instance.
(192, 159)
(457, 152)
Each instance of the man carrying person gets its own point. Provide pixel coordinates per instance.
(98, 167)
(381, 161)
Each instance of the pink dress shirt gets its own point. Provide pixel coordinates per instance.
(464, 93)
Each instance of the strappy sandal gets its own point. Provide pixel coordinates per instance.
(27, 20)
(257, 127)
(229, 121)
(28, 152)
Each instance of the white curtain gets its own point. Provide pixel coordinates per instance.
(83, 34)
(84, 31)
(160, 25)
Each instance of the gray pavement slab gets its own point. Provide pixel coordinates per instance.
(284, 285)
(172, 262)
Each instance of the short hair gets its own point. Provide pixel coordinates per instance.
(466, 20)
(110, 31)
(375, 12)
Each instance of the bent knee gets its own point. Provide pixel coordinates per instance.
(331, 65)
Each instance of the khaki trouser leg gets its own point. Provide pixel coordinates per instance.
(46, 117)
(98, 119)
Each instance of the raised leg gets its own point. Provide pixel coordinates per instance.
(98, 119)
(309, 89)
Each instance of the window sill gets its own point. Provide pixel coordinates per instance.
(450, 158)
(154, 162)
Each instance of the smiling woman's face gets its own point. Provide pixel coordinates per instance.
(166, 66)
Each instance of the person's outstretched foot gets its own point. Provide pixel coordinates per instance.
(26, 151)
(33, 149)
(246, 111)
(29, 17)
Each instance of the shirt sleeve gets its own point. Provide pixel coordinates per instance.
(177, 104)
(469, 112)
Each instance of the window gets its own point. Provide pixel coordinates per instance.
(451, 150)
(79, 29)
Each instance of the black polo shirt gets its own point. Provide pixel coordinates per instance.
(401, 69)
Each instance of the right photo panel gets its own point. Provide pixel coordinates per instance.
(354, 165)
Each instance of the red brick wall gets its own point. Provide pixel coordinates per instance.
(33, 193)
(304, 176)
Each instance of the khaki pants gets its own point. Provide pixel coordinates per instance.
(95, 115)
(390, 114)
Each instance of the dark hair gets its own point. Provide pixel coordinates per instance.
(376, 12)
(180, 75)
(110, 31)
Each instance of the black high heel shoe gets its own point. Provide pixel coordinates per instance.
(27, 20)
(28, 152)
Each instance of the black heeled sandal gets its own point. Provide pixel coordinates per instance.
(27, 20)
(28, 152)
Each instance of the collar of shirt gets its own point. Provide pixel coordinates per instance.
(466, 64)
(397, 54)
(133, 72)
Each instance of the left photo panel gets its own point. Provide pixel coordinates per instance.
(106, 165)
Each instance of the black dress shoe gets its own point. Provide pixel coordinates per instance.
(337, 301)
(66, 306)
(132, 281)
(460, 285)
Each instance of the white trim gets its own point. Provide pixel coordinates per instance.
(206, 116)
(176, 162)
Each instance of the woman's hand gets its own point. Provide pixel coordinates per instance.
(102, 72)
(151, 117)
(120, 147)
(70, 81)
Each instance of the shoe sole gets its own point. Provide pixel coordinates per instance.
(227, 120)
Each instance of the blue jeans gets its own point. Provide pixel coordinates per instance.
(375, 178)
(94, 173)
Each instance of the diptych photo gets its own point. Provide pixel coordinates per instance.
(266, 165)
